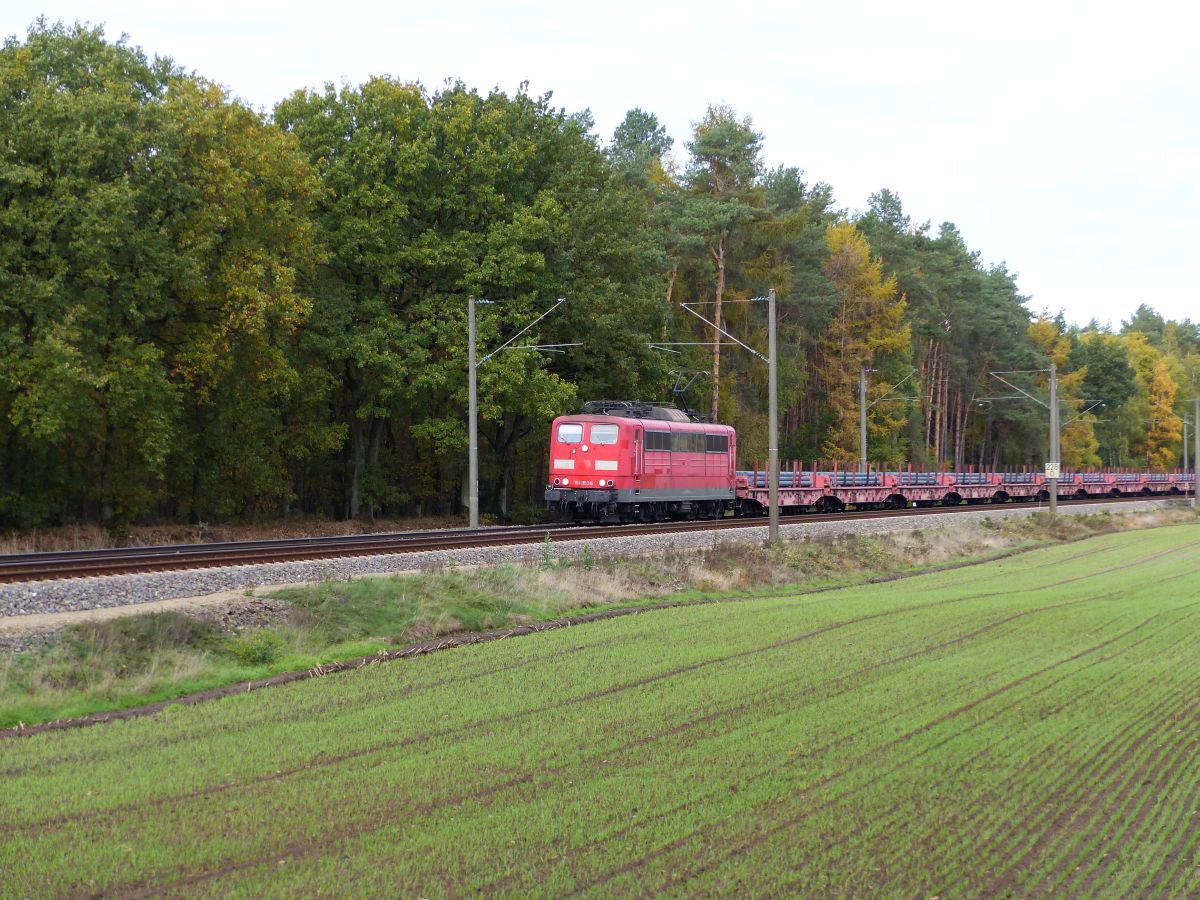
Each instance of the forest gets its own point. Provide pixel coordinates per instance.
(212, 313)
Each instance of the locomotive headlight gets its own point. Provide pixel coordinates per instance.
(558, 481)
(610, 482)
(583, 448)
(566, 481)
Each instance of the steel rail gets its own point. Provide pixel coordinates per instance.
(152, 550)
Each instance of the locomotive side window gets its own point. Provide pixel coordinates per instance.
(570, 433)
(604, 434)
(658, 440)
(716, 443)
(689, 443)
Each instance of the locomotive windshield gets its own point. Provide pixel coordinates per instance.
(570, 433)
(604, 434)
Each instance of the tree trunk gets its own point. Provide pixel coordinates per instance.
(951, 409)
(929, 365)
(356, 468)
(108, 511)
(984, 446)
(960, 437)
(510, 465)
(936, 418)
(377, 428)
(718, 255)
(507, 433)
(943, 403)
(951, 442)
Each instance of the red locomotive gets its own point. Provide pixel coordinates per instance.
(625, 461)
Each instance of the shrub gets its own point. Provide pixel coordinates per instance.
(259, 647)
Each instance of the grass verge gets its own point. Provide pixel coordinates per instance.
(143, 659)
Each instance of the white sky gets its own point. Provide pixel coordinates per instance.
(1062, 138)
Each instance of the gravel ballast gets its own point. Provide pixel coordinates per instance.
(73, 595)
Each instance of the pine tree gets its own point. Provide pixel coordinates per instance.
(722, 196)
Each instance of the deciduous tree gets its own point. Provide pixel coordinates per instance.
(868, 326)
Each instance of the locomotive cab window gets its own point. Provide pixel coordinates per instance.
(716, 443)
(570, 433)
(604, 434)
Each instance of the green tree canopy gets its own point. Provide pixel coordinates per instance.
(436, 198)
(152, 233)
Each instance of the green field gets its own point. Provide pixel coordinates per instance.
(1024, 727)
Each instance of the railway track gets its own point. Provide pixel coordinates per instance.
(26, 567)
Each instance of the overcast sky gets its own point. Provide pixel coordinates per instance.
(1061, 138)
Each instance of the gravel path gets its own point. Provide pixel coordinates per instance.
(44, 607)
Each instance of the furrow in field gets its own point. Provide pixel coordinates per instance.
(987, 849)
(1064, 817)
(848, 686)
(977, 812)
(401, 693)
(1103, 763)
(698, 835)
(1180, 852)
(987, 822)
(1131, 564)
(914, 866)
(1138, 857)
(1124, 741)
(845, 801)
(1052, 847)
(963, 839)
(1134, 810)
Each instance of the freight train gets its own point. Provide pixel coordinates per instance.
(629, 461)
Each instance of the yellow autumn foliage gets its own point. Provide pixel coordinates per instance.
(868, 324)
